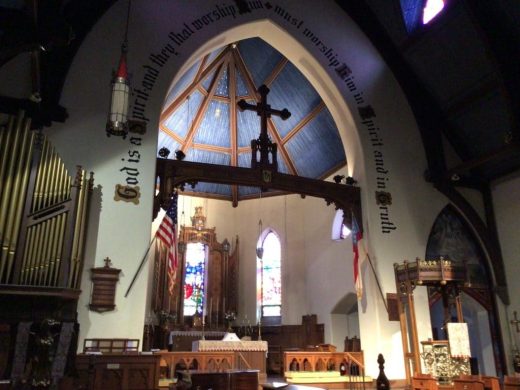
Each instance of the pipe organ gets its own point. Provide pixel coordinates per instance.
(43, 212)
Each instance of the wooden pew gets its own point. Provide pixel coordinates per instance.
(467, 384)
(511, 383)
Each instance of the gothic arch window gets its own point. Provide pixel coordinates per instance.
(340, 231)
(452, 238)
(269, 277)
(417, 13)
(194, 278)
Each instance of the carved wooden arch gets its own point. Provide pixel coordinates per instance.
(176, 174)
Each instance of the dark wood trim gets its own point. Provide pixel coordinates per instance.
(64, 293)
(176, 173)
(202, 76)
(202, 109)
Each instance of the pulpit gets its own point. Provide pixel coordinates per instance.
(446, 276)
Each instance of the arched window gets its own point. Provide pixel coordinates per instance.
(340, 231)
(417, 13)
(269, 277)
(194, 280)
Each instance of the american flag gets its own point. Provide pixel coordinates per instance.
(357, 236)
(167, 235)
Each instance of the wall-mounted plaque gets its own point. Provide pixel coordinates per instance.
(104, 281)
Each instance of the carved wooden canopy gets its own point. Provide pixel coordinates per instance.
(176, 174)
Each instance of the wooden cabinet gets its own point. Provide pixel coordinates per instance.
(116, 372)
(224, 380)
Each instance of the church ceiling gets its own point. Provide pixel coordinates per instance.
(460, 74)
(200, 116)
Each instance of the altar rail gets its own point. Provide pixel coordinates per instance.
(324, 361)
(213, 361)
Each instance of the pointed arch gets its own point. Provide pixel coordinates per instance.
(269, 277)
(453, 238)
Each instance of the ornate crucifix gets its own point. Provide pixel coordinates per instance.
(263, 144)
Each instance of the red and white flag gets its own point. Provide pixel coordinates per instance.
(167, 235)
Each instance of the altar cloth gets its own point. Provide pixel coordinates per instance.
(218, 345)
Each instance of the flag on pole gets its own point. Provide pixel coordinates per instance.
(167, 235)
(357, 237)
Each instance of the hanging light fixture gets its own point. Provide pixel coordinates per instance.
(259, 248)
(117, 122)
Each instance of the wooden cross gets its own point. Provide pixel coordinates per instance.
(515, 322)
(263, 143)
(107, 262)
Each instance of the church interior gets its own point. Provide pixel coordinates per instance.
(259, 194)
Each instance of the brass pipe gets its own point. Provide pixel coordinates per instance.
(4, 148)
(8, 167)
(46, 195)
(42, 254)
(17, 199)
(46, 253)
(77, 226)
(39, 177)
(50, 251)
(8, 182)
(35, 253)
(51, 197)
(54, 249)
(23, 268)
(35, 230)
(18, 218)
(86, 192)
(63, 222)
(60, 184)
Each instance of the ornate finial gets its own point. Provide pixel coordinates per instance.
(198, 220)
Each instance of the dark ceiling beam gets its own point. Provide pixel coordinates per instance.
(275, 72)
(176, 174)
(194, 85)
(203, 107)
(504, 45)
(40, 114)
(300, 125)
(473, 96)
(427, 113)
(497, 156)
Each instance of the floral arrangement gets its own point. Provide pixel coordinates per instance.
(165, 316)
(230, 316)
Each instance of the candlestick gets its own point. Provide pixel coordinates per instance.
(210, 311)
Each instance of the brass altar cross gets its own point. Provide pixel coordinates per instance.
(515, 322)
(263, 144)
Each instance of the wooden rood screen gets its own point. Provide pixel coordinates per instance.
(43, 212)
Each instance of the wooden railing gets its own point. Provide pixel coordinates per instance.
(324, 361)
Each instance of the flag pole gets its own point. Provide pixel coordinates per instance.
(377, 280)
(140, 266)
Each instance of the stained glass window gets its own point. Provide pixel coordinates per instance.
(194, 279)
(269, 277)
